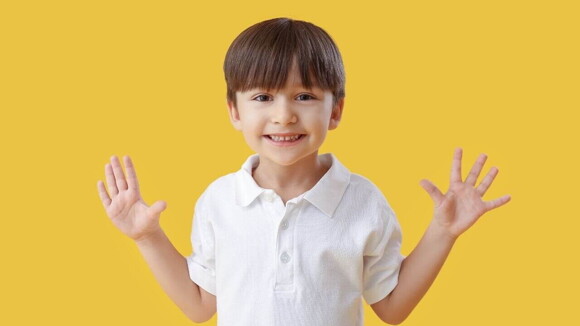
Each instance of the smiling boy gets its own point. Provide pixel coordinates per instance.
(286, 128)
(293, 237)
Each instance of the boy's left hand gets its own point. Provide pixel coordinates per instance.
(462, 205)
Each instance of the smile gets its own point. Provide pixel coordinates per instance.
(284, 141)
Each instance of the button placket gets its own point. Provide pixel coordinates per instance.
(285, 265)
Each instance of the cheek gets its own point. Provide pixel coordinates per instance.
(316, 123)
(251, 122)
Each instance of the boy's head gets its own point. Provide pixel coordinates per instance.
(285, 83)
(262, 55)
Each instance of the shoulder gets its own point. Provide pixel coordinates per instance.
(224, 182)
(371, 200)
(362, 187)
(218, 191)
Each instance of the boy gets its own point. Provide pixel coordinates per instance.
(293, 238)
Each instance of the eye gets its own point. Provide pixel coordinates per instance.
(307, 95)
(265, 98)
(260, 97)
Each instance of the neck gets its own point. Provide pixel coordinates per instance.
(296, 178)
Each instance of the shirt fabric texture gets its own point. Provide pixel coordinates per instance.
(309, 262)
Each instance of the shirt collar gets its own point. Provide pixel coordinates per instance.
(325, 195)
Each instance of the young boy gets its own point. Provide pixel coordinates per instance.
(293, 237)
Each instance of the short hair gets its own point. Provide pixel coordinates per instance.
(262, 55)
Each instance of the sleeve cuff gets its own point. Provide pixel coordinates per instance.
(380, 291)
(201, 275)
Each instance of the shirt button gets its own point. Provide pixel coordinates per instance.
(284, 225)
(285, 258)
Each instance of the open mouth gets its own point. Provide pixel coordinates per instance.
(287, 139)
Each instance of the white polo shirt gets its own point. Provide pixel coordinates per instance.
(309, 262)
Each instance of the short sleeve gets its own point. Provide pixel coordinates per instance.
(201, 263)
(383, 263)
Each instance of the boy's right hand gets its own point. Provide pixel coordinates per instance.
(125, 207)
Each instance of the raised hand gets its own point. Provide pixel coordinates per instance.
(124, 206)
(462, 205)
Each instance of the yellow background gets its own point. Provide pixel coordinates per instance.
(81, 81)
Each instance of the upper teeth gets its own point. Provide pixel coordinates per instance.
(276, 138)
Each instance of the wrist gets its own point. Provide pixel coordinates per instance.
(149, 238)
(441, 233)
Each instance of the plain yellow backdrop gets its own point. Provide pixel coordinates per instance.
(81, 81)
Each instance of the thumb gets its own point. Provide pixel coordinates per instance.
(432, 190)
(158, 207)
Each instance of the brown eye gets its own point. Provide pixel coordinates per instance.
(307, 95)
(261, 97)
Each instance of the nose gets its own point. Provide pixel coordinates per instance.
(283, 113)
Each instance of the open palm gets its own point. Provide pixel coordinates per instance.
(462, 205)
(125, 207)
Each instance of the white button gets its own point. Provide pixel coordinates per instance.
(284, 225)
(285, 258)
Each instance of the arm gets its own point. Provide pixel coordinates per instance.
(170, 270)
(455, 212)
(139, 221)
(418, 271)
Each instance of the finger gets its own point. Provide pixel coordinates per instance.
(432, 190)
(111, 180)
(158, 207)
(118, 171)
(131, 174)
(486, 182)
(489, 205)
(475, 170)
(456, 166)
(105, 199)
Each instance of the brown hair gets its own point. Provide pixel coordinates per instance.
(262, 55)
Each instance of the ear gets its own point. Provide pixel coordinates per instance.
(336, 114)
(234, 115)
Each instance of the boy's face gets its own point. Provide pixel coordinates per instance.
(290, 111)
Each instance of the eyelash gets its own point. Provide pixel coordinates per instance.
(312, 97)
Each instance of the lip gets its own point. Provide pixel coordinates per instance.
(285, 143)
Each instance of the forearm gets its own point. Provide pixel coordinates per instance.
(170, 270)
(418, 271)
